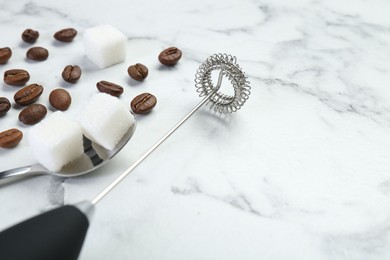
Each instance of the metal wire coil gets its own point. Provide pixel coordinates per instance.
(220, 102)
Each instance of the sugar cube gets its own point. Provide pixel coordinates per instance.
(105, 120)
(104, 45)
(56, 141)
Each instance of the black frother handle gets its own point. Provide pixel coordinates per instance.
(54, 235)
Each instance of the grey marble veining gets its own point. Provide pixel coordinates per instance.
(301, 172)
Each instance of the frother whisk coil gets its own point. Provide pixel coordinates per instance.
(75, 219)
(220, 102)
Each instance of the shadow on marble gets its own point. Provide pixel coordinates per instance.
(16, 106)
(141, 118)
(63, 84)
(132, 82)
(162, 67)
(209, 116)
(25, 45)
(8, 88)
(85, 64)
(29, 61)
(22, 126)
(59, 44)
(51, 108)
(4, 152)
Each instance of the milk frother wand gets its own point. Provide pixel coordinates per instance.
(60, 233)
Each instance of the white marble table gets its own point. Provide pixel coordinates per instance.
(301, 172)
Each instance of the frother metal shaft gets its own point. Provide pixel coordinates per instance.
(103, 193)
(59, 233)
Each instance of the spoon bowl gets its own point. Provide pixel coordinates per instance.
(94, 157)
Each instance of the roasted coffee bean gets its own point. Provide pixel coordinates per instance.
(30, 35)
(29, 94)
(32, 114)
(60, 99)
(37, 53)
(170, 56)
(138, 71)
(71, 73)
(5, 106)
(109, 88)
(10, 138)
(16, 77)
(143, 103)
(65, 35)
(5, 54)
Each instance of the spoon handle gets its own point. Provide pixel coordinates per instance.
(17, 173)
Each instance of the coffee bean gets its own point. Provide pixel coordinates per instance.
(109, 88)
(5, 106)
(28, 94)
(60, 99)
(32, 114)
(138, 71)
(10, 138)
(16, 77)
(71, 73)
(170, 56)
(37, 53)
(5, 54)
(143, 103)
(30, 35)
(65, 35)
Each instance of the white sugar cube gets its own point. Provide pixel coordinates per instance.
(105, 45)
(56, 141)
(105, 120)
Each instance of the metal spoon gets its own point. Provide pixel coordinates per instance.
(94, 156)
(60, 233)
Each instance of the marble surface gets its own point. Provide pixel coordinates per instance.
(302, 171)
